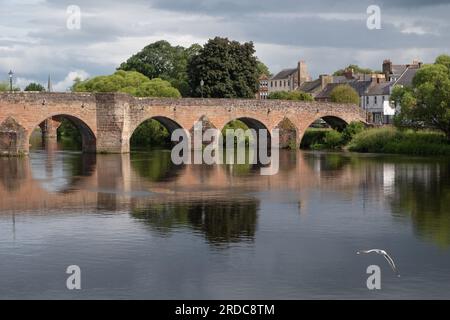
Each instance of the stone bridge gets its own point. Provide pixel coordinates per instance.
(107, 120)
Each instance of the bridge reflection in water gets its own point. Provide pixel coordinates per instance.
(221, 202)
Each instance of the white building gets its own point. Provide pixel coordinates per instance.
(376, 100)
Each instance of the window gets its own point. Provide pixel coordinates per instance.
(281, 83)
(271, 84)
(375, 99)
(289, 83)
(367, 100)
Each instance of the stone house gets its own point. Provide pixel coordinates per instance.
(289, 79)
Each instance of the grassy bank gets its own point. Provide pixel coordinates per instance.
(378, 140)
(391, 140)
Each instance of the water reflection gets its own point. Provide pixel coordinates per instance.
(221, 222)
(12, 173)
(61, 171)
(422, 192)
(418, 189)
(155, 166)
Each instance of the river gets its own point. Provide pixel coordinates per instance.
(140, 227)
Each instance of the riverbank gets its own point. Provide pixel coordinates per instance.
(386, 140)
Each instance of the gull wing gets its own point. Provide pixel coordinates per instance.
(391, 263)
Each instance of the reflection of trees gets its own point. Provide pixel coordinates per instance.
(13, 172)
(155, 166)
(327, 161)
(220, 222)
(423, 192)
(249, 166)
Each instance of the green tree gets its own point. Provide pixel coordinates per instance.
(229, 70)
(34, 87)
(5, 86)
(444, 60)
(344, 94)
(351, 130)
(162, 60)
(130, 82)
(333, 139)
(263, 69)
(356, 69)
(291, 95)
(427, 103)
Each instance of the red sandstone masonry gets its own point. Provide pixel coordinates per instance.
(107, 120)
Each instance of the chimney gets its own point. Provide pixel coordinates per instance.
(378, 78)
(302, 72)
(324, 80)
(387, 68)
(348, 73)
(374, 78)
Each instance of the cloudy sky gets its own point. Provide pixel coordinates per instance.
(35, 40)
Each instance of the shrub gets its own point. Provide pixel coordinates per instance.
(351, 130)
(313, 137)
(291, 95)
(344, 93)
(333, 139)
(391, 140)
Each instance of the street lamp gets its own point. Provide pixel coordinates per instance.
(10, 73)
(202, 83)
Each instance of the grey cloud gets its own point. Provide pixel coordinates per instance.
(270, 24)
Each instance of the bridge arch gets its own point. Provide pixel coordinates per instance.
(88, 137)
(169, 124)
(336, 121)
(255, 124)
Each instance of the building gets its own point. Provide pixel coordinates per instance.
(316, 86)
(263, 87)
(376, 101)
(289, 79)
(393, 72)
(360, 86)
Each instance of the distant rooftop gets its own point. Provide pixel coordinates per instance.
(283, 74)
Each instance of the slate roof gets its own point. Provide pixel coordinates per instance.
(407, 76)
(378, 89)
(283, 74)
(398, 69)
(359, 86)
(310, 86)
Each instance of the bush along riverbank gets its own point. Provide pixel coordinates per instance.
(392, 140)
(357, 138)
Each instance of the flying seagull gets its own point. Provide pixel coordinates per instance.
(385, 255)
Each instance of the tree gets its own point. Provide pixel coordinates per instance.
(263, 70)
(5, 86)
(344, 93)
(130, 82)
(427, 103)
(228, 70)
(356, 69)
(351, 130)
(34, 87)
(291, 95)
(444, 60)
(162, 60)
